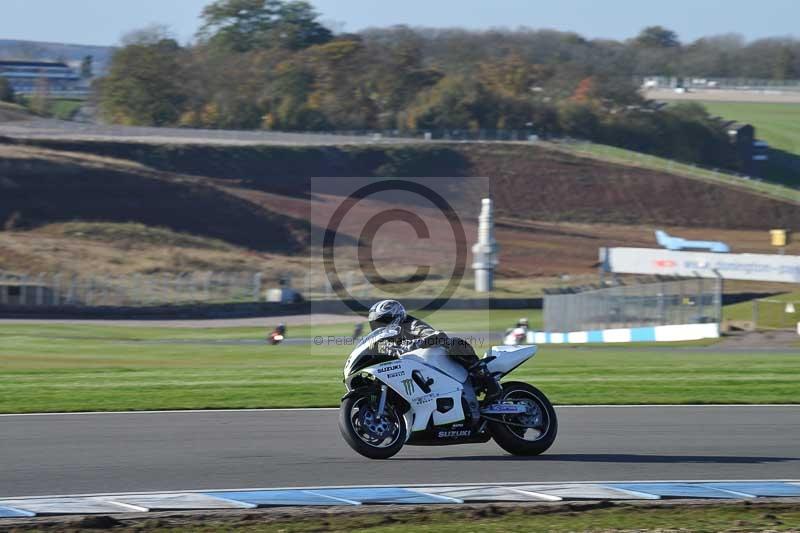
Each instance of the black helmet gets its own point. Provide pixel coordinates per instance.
(386, 312)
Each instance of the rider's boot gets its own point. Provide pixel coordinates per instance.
(482, 379)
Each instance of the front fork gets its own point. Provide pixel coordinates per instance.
(408, 416)
(381, 403)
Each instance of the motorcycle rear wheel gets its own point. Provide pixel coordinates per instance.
(371, 437)
(541, 423)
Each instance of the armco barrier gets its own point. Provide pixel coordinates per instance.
(245, 310)
(16, 508)
(254, 309)
(684, 332)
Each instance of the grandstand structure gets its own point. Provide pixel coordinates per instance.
(52, 77)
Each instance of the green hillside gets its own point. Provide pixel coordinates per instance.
(778, 124)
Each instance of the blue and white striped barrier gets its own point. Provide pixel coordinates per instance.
(683, 332)
(116, 504)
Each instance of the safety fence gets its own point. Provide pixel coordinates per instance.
(663, 302)
(718, 83)
(776, 314)
(48, 289)
(143, 290)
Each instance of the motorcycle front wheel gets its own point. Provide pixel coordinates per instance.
(531, 433)
(372, 437)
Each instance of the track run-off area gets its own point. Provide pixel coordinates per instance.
(201, 450)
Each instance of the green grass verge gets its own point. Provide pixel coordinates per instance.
(64, 109)
(771, 311)
(91, 368)
(778, 124)
(502, 518)
(627, 157)
(60, 108)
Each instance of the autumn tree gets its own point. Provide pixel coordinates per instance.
(585, 90)
(341, 88)
(513, 75)
(144, 86)
(657, 37)
(245, 25)
(456, 102)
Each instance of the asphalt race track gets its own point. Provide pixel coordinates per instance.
(125, 452)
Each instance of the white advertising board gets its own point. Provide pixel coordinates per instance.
(754, 267)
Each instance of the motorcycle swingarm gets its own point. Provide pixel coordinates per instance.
(504, 409)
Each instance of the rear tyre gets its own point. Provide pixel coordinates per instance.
(364, 432)
(529, 434)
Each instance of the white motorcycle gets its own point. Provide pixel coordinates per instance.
(516, 336)
(424, 397)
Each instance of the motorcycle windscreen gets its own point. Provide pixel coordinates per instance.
(364, 352)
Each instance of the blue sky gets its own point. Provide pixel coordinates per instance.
(104, 21)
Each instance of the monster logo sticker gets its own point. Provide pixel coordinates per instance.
(409, 386)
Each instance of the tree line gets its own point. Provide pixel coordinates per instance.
(271, 64)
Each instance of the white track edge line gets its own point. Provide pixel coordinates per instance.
(412, 486)
(297, 409)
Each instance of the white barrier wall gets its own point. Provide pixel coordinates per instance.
(683, 332)
(753, 267)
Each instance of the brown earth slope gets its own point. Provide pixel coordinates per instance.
(39, 186)
(554, 209)
(529, 182)
(539, 185)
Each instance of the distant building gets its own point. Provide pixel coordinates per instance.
(28, 77)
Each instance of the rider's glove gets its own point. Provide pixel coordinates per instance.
(395, 350)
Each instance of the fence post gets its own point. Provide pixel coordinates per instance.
(56, 286)
(88, 291)
(23, 293)
(755, 314)
(40, 289)
(700, 298)
(718, 288)
(137, 289)
(257, 286)
(71, 290)
(168, 282)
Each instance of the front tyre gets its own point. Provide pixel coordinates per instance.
(531, 433)
(373, 437)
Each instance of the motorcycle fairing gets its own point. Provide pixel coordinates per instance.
(437, 358)
(363, 350)
(450, 434)
(507, 358)
(398, 375)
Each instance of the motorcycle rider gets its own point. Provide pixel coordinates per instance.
(416, 333)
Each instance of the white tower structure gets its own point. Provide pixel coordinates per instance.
(484, 252)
